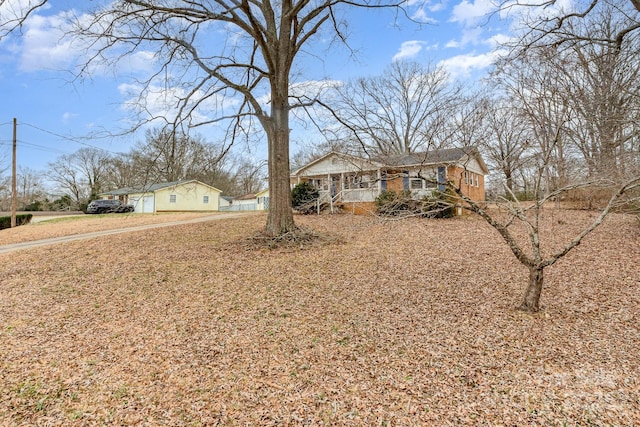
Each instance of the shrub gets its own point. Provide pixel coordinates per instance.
(304, 197)
(33, 206)
(63, 203)
(5, 221)
(437, 205)
(390, 203)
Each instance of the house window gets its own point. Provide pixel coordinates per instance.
(477, 181)
(205, 199)
(172, 198)
(416, 184)
(366, 181)
(466, 177)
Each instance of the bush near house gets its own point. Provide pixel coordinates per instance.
(5, 221)
(437, 205)
(303, 198)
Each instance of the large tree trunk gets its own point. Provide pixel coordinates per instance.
(280, 219)
(531, 300)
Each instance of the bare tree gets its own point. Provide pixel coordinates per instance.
(123, 172)
(544, 28)
(506, 141)
(250, 176)
(604, 86)
(82, 175)
(13, 13)
(30, 187)
(551, 87)
(529, 216)
(403, 111)
(5, 193)
(255, 58)
(592, 89)
(171, 156)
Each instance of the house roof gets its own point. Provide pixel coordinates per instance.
(246, 197)
(120, 191)
(442, 156)
(431, 157)
(151, 188)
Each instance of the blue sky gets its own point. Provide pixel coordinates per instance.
(56, 113)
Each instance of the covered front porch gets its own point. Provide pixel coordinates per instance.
(345, 187)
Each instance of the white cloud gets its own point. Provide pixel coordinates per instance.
(532, 9)
(420, 15)
(44, 45)
(138, 61)
(438, 6)
(409, 49)
(471, 13)
(464, 65)
(498, 39)
(68, 116)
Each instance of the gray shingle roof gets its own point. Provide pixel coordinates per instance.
(146, 189)
(447, 155)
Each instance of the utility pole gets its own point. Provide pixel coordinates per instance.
(14, 196)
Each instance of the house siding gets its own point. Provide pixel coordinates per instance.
(262, 200)
(189, 197)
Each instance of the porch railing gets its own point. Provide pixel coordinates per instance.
(345, 196)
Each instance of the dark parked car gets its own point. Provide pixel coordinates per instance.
(108, 206)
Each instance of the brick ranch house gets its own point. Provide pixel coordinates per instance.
(354, 182)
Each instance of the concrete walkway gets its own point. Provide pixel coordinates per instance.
(52, 241)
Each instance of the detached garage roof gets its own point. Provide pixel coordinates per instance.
(152, 188)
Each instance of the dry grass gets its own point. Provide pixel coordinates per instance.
(402, 323)
(71, 225)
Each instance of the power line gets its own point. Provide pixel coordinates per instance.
(67, 138)
(40, 147)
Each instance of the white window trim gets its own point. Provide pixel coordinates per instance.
(412, 180)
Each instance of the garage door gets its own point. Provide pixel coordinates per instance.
(147, 204)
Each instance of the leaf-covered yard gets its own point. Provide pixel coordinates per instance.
(401, 323)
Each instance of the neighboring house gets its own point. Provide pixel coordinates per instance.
(247, 202)
(355, 182)
(250, 202)
(262, 200)
(225, 202)
(176, 196)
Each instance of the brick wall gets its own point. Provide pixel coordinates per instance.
(473, 191)
(395, 181)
